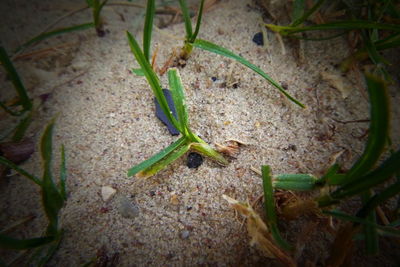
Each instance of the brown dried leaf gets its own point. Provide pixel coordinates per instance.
(259, 234)
(343, 245)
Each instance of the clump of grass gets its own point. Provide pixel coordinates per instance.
(189, 140)
(359, 181)
(191, 41)
(375, 22)
(53, 199)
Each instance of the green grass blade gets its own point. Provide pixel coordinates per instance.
(296, 182)
(343, 216)
(270, 208)
(15, 79)
(186, 19)
(45, 253)
(384, 172)
(178, 96)
(16, 168)
(148, 27)
(51, 197)
(7, 242)
(152, 80)
(371, 236)
(63, 174)
(198, 22)
(56, 32)
(307, 14)
(379, 198)
(205, 45)
(299, 7)
(156, 158)
(164, 162)
(339, 25)
(21, 128)
(206, 150)
(330, 175)
(378, 130)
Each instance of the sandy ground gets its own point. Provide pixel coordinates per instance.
(106, 122)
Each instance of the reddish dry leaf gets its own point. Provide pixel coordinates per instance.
(343, 245)
(17, 152)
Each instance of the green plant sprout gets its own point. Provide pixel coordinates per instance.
(53, 198)
(24, 100)
(191, 41)
(366, 19)
(360, 180)
(189, 140)
(97, 6)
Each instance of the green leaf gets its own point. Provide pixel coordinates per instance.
(51, 197)
(152, 80)
(270, 208)
(379, 198)
(299, 7)
(47, 35)
(15, 79)
(378, 130)
(138, 72)
(296, 182)
(21, 128)
(198, 23)
(148, 26)
(186, 19)
(208, 151)
(63, 174)
(156, 158)
(178, 96)
(205, 45)
(165, 161)
(384, 172)
(7, 242)
(21, 171)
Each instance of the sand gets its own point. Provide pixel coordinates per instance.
(106, 122)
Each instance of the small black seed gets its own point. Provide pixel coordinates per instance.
(214, 78)
(258, 38)
(194, 160)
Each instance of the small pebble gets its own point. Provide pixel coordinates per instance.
(185, 234)
(126, 208)
(213, 78)
(107, 192)
(194, 160)
(258, 39)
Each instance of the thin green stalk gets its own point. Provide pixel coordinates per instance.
(339, 25)
(148, 27)
(21, 171)
(307, 14)
(270, 208)
(208, 46)
(186, 19)
(56, 32)
(198, 23)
